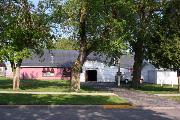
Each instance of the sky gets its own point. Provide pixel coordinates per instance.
(58, 32)
(34, 1)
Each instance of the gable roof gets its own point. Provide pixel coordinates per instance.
(58, 58)
(66, 58)
(127, 61)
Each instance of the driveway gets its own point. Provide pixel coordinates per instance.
(135, 97)
(85, 113)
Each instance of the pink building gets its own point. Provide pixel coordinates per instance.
(52, 65)
(45, 73)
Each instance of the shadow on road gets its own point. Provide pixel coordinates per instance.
(79, 113)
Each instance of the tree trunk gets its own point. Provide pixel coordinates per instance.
(138, 59)
(179, 84)
(76, 70)
(16, 77)
(77, 67)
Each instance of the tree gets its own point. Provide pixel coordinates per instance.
(147, 12)
(91, 23)
(139, 17)
(27, 32)
(164, 48)
(66, 44)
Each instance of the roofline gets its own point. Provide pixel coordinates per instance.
(40, 66)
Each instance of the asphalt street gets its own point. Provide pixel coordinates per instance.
(86, 113)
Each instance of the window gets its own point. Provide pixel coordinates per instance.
(47, 72)
(66, 72)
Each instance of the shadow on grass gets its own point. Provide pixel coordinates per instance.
(158, 89)
(36, 84)
(6, 83)
(42, 85)
(28, 99)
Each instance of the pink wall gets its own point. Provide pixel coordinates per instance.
(36, 73)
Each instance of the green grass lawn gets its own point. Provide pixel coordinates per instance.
(52, 86)
(176, 98)
(41, 85)
(27, 99)
(158, 89)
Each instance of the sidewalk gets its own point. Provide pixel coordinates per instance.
(61, 93)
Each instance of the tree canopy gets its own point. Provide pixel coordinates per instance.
(66, 44)
(150, 29)
(164, 48)
(26, 30)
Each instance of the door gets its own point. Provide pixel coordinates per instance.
(91, 75)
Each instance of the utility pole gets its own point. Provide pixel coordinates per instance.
(178, 75)
(119, 73)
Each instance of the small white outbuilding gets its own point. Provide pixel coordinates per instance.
(158, 76)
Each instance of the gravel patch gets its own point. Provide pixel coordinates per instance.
(137, 98)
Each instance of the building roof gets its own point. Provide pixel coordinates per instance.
(127, 61)
(59, 58)
(65, 58)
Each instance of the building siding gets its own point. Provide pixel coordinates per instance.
(167, 77)
(36, 73)
(152, 75)
(105, 73)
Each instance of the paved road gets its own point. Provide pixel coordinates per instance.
(86, 113)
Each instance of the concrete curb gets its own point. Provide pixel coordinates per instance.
(160, 108)
(118, 106)
(48, 106)
(67, 106)
(86, 107)
(59, 93)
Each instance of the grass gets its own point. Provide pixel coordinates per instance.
(27, 99)
(176, 98)
(41, 86)
(52, 86)
(158, 89)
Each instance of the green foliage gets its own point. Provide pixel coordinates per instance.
(28, 30)
(103, 32)
(66, 44)
(164, 48)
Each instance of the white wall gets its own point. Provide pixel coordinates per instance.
(104, 73)
(167, 77)
(163, 77)
(145, 72)
(152, 76)
(2, 71)
(107, 73)
(8, 70)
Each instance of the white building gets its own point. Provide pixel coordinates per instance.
(2, 69)
(158, 76)
(101, 72)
